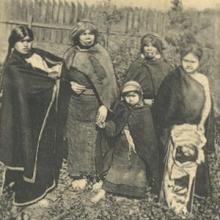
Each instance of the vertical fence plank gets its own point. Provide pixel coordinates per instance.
(126, 20)
(91, 12)
(30, 9)
(136, 17)
(36, 14)
(43, 18)
(54, 20)
(79, 11)
(67, 21)
(74, 13)
(48, 14)
(24, 10)
(130, 18)
(60, 21)
(85, 11)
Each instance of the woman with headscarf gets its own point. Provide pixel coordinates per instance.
(184, 116)
(28, 118)
(93, 90)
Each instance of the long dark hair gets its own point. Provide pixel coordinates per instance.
(192, 48)
(17, 34)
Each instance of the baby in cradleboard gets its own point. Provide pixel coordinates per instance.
(131, 163)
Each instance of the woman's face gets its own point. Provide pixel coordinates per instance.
(132, 98)
(24, 46)
(190, 63)
(87, 38)
(150, 51)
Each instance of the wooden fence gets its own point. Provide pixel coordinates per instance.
(52, 20)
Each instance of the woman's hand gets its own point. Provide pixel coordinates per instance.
(101, 115)
(100, 124)
(77, 88)
(201, 128)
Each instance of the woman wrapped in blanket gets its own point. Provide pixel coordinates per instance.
(93, 90)
(185, 123)
(28, 118)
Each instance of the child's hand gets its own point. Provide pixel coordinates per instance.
(102, 114)
(132, 148)
(100, 124)
(131, 144)
(149, 101)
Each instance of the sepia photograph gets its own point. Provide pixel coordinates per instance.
(110, 110)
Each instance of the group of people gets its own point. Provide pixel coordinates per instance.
(154, 132)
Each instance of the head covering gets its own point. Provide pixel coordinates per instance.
(132, 86)
(154, 39)
(80, 27)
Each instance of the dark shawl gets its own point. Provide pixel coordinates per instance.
(28, 95)
(180, 100)
(95, 63)
(149, 74)
(140, 124)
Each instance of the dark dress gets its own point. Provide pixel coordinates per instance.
(28, 128)
(149, 74)
(125, 171)
(91, 67)
(180, 102)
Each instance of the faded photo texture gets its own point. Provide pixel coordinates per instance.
(121, 24)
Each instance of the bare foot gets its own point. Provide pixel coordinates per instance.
(23, 216)
(43, 203)
(79, 184)
(100, 195)
(97, 186)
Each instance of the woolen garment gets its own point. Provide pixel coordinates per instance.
(116, 165)
(93, 69)
(180, 100)
(95, 63)
(28, 127)
(149, 74)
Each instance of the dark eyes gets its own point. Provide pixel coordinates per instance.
(28, 40)
(189, 61)
(88, 34)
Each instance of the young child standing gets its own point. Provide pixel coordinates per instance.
(132, 159)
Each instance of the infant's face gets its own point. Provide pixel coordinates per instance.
(132, 98)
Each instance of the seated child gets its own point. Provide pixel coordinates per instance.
(132, 147)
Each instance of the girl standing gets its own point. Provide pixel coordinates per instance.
(132, 148)
(150, 68)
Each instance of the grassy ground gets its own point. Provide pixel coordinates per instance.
(65, 203)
